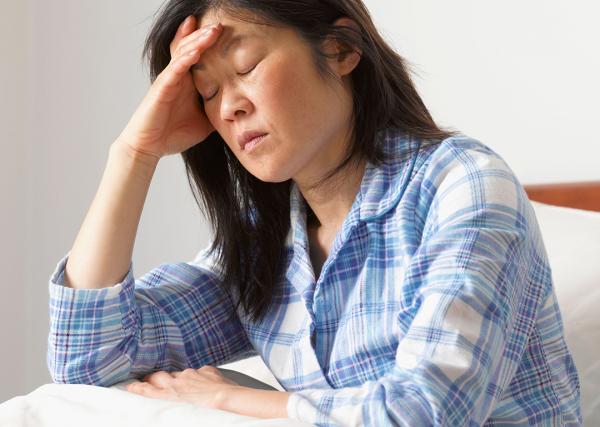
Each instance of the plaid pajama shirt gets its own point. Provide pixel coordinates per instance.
(434, 307)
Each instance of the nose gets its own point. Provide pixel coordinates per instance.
(234, 104)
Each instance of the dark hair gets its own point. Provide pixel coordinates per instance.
(250, 218)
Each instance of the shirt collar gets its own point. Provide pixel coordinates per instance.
(380, 190)
(383, 186)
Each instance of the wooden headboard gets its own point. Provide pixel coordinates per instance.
(579, 195)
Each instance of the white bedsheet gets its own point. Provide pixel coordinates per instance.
(78, 405)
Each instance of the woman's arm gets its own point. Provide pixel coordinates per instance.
(167, 121)
(174, 317)
(104, 325)
(255, 403)
(101, 253)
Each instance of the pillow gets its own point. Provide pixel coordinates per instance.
(572, 240)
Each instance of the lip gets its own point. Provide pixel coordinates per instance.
(250, 146)
(249, 135)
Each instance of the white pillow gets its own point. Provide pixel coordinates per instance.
(572, 240)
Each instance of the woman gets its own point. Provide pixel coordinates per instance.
(388, 272)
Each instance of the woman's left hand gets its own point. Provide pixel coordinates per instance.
(205, 386)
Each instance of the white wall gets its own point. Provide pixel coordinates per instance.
(521, 77)
(13, 134)
(74, 78)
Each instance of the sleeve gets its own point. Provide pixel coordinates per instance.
(472, 288)
(174, 317)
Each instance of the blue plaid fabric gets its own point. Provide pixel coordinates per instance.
(434, 307)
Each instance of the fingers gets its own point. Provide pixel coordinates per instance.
(159, 379)
(163, 379)
(185, 56)
(206, 370)
(186, 27)
(210, 371)
(149, 390)
(201, 38)
(188, 53)
(187, 33)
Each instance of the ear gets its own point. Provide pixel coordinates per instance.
(344, 58)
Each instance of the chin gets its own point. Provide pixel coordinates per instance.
(269, 174)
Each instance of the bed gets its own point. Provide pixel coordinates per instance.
(569, 217)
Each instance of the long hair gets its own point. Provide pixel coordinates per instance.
(250, 218)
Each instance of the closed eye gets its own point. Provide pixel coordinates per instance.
(211, 97)
(247, 72)
(239, 74)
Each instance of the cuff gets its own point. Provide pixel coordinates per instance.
(302, 409)
(121, 295)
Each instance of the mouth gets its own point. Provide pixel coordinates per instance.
(250, 139)
(253, 143)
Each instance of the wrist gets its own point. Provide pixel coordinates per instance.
(136, 157)
(224, 397)
(252, 402)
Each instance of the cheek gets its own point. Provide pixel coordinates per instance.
(285, 89)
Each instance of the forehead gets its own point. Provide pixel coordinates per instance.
(213, 16)
(225, 45)
(234, 32)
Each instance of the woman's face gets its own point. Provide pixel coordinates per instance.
(264, 78)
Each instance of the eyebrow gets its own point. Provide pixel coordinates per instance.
(225, 48)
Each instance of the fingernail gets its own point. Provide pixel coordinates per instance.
(214, 27)
(207, 30)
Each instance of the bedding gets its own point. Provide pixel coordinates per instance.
(75, 405)
(572, 240)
